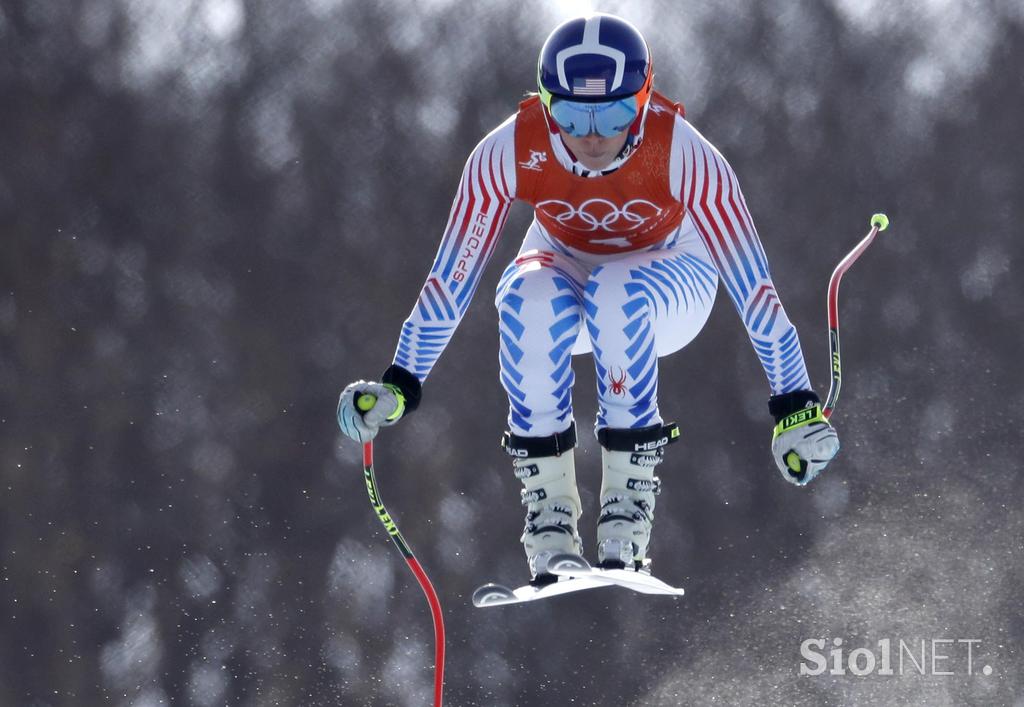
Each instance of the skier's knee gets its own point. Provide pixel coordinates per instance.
(608, 285)
(530, 285)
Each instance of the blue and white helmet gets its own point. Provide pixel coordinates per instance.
(595, 58)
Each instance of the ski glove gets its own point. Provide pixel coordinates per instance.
(396, 396)
(363, 425)
(804, 441)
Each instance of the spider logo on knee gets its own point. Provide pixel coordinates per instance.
(618, 382)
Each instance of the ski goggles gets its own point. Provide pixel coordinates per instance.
(605, 118)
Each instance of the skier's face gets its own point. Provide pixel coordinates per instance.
(593, 151)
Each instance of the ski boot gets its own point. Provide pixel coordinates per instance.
(628, 491)
(547, 469)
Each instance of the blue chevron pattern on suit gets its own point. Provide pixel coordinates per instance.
(775, 341)
(539, 319)
(674, 284)
(510, 331)
(622, 302)
(619, 306)
(566, 307)
(782, 361)
(419, 345)
(627, 310)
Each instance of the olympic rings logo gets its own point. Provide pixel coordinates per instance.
(600, 214)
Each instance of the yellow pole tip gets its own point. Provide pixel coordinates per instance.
(881, 221)
(366, 401)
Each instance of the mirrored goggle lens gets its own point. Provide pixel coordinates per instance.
(606, 118)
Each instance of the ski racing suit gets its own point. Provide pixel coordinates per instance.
(624, 264)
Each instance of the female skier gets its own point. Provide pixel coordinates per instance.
(636, 219)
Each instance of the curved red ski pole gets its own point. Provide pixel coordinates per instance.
(879, 222)
(414, 565)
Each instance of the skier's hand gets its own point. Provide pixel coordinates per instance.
(384, 404)
(804, 441)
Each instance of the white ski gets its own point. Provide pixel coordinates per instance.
(574, 574)
(499, 594)
(568, 565)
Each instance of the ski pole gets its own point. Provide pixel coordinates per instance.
(366, 402)
(879, 222)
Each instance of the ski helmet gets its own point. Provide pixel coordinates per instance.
(599, 59)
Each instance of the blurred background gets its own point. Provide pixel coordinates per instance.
(216, 213)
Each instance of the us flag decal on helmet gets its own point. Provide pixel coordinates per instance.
(589, 87)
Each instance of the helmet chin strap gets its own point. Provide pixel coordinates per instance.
(637, 127)
(552, 125)
(636, 132)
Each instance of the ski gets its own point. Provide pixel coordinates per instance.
(569, 565)
(500, 595)
(574, 574)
